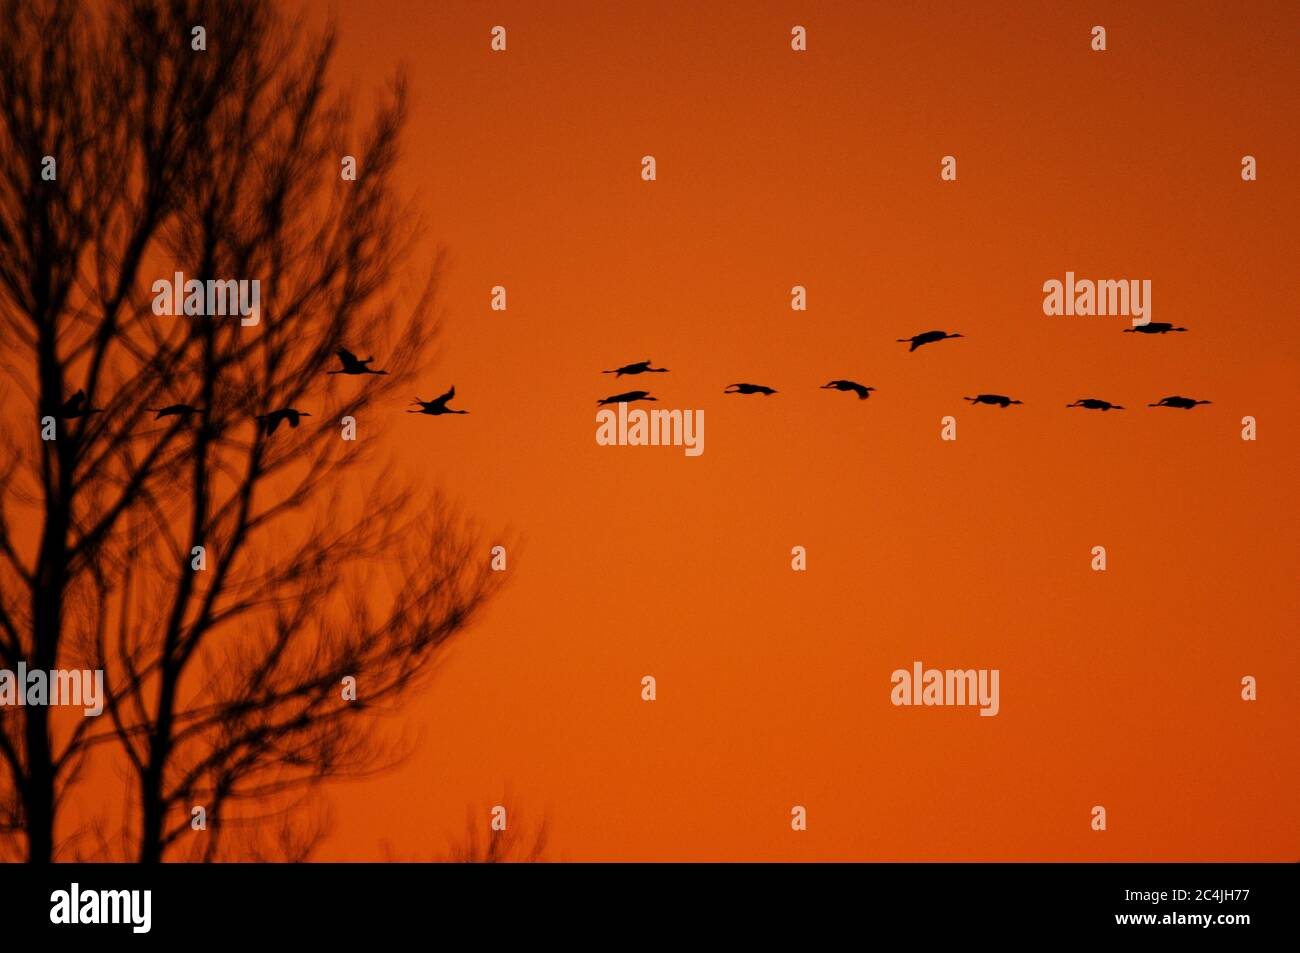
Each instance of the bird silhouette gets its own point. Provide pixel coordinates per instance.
(640, 367)
(75, 407)
(627, 398)
(174, 410)
(862, 392)
(1093, 403)
(996, 400)
(438, 405)
(1153, 327)
(1185, 403)
(353, 364)
(749, 389)
(272, 420)
(929, 337)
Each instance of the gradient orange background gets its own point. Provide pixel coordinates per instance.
(822, 169)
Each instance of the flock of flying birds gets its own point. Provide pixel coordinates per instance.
(75, 406)
(916, 340)
(350, 364)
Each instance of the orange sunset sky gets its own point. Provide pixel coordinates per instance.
(776, 168)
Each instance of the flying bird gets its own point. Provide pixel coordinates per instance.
(174, 410)
(1185, 403)
(640, 367)
(353, 364)
(628, 397)
(1153, 327)
(272, 420)
(438, 405)
(862, 392)
(996, 400)
(75, 407)
(749, 389)
(929, 337)
(1093, 403)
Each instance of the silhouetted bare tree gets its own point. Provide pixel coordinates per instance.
(525, 840)
(522, 842)
(225, 683)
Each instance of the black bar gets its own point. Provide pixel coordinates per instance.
(471, 905)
